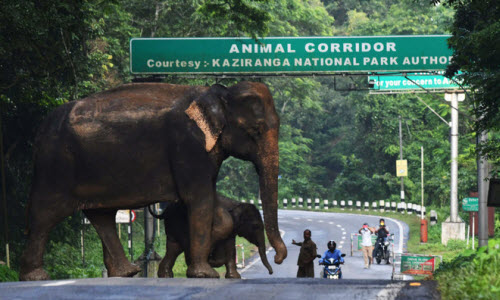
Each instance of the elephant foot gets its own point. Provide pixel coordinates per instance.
(163, 273)
(36, 274)
(201, 271)
(124, 271)
(233, 275)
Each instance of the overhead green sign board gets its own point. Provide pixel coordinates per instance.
(413, 81)
(288, 55)
(470, 204)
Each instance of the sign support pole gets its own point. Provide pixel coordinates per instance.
(401, 158)
(422, 179)
(473, 228)
(454, 157)
(4, 198)
(453, 227)
(482, 170)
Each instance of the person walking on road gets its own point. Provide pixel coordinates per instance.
(366, 243)
(306, 256)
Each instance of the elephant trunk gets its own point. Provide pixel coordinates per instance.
(261, 244)
(268, 168)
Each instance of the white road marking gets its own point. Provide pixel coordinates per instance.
(338, 225)
(343, 232)
(343, 237)
(310, 220)
(320, 221)
(331, 223)
(342, 242)
(58, 283)
(401, 234)
(295, 218)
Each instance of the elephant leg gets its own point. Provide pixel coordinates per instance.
(222, 225)
(114, 256)
(200, 226)
(174, 249)
(42, 218)
(230, 250)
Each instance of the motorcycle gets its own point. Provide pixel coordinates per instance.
(383, 252)
(331, 269)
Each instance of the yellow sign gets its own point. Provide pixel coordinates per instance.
(401, 168)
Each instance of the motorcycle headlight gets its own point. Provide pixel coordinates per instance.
(386, 243)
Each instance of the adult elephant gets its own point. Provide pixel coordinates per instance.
(246, 222)
(147, 142)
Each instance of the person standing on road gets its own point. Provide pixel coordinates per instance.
(306, 256)
(366, 243)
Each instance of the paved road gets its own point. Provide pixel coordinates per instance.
(325, 227)
(177, 288)
(358, 283)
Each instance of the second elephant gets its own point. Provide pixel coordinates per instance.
(247, 223)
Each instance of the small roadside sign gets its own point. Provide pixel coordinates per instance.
(470, 204)
(401, 168)
(415, 264)
(122, 216)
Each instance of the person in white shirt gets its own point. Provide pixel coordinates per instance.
(366, 243)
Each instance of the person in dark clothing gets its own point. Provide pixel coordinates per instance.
(306, 256)
(382, 232)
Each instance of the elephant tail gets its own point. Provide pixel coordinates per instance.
(160, 216)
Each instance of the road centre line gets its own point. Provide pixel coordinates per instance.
(59, 283)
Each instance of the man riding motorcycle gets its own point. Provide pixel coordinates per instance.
(382, 232)
(334, 253)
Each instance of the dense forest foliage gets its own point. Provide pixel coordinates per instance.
(334, 144)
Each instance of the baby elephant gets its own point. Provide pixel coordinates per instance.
(246, 222)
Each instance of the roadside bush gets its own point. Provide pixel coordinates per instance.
(64, 261)
(471, 275)
(7, 274)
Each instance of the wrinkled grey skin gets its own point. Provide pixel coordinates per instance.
(247, 223)
(141, 143)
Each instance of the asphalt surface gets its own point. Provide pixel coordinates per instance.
(177, 288)
(358, 283)
(326, 227)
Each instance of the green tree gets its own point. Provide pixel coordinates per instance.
(476, 43)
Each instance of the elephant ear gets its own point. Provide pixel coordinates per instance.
(247, 220)
(208, 112)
